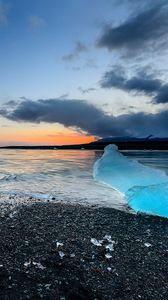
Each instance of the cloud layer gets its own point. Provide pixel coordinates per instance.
(141, 83)
(86, 117)
(79, 48)
(148, 29)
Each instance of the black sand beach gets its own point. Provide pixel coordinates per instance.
(46, 253)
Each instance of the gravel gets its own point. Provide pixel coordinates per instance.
(61, 251)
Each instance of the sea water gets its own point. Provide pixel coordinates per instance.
(65, 175)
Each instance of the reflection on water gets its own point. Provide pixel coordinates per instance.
(64, 174)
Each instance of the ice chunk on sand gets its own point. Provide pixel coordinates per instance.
(147, 245)
(58, 244)
(108, 255)
(121, 173)
(96, 242)
(146, 188)
(152, 199)
(61, 254)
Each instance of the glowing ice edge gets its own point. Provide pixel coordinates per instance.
(145, 188)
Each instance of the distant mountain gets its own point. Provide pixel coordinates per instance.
(130, 139)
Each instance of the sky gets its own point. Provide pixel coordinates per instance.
(73, 71)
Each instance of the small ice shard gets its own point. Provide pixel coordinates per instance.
(96, 242)
(147, 245)
(11, 215)
(27, 263)
(72, 255)
(38, 265)
(107, 237)
(108, 255)
(145, 188)
(109, 269)
(59, 244)
(110, 246)
(61, 254)
(47, 286)
(34, 263)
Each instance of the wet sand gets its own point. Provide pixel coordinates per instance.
(46, 252)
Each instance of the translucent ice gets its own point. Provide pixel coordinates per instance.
(146, 188)
(61, 254)
(96, 242)
(151, 199)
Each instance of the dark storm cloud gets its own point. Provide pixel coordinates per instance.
(3, 112)
(140, 124)
(70, 113)
(86, 117)
(141, 83)
(79, 48)
(11, 103)
(147, 29)
(162, 95)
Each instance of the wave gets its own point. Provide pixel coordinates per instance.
(24, 177)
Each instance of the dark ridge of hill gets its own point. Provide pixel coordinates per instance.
(134, 144)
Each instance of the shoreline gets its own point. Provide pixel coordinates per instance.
(134, 144)
(46, 252)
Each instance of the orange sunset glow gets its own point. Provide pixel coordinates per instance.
(42, 136)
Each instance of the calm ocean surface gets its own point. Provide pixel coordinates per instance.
(65, 174)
